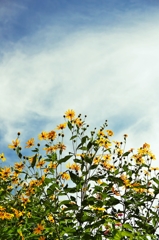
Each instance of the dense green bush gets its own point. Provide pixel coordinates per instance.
(96, 191)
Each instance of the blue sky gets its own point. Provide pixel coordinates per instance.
(98, 57)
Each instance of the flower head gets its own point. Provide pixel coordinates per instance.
(30, 143)
(40, 163)
(74, 166)
(65, 176)
(38, 229)
(15, 144)
(70, 114)
(146, 145)
(2, 157)
(51, 135)
(19, 166)
(61, 126)
(51, 219)
(110, 133)
(43, 136)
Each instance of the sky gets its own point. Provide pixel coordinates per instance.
(98, 57)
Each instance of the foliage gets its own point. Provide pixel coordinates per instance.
(97, 191)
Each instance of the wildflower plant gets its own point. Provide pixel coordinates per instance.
(97, 191)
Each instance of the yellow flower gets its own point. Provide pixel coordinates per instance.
(17, 213)
(146, 145)
(115, 191)
(101, 133)
(108, 166)
(103, 142)
(78, 122)
(42, 135)
(19, 166)
(152, 156)
(125, 180)
(99, 181)
(119, 151)
(138, 158)
(40, 163)
(2, 157)
(52, 165)
(110, 132)
(5, 172)
(107, 157)
(25, 200)
(107, 145)
(30, 143)
(61, 126)
(61, 146)
(41, 238)
(154, 168)
(14, 144)
(29, 215)
(96, 160)
(46, 170)
(51, 135)
(52, 197)
(51, 219)
(97, 208)
(50, 149)
(65, 175)
(38, 229)
(74, 166)
(5, 215)
(143, 151)
(70, 114)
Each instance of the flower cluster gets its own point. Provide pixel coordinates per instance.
(96, 191)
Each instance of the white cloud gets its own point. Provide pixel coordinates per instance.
(100, 72)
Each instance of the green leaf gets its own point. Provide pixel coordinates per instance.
(125, 154)
(69, 125)
(48, 180)
(155, 180)
(35, 150)
(83, 140)
(114, 201)
(93, 166)
(128, 234)
(73, 198)
(48, 160)
(73, 137)
(64, 159)
(19, 155)
(76, 160)
(89, 145)
(97, 177)
(70, 190)
(83, 148)
(88, 159)
(76, 179)
(34, 161)
(88, 201)
(128, 226)
(118, 236)
(54, 156)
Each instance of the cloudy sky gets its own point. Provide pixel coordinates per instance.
(98, 57)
